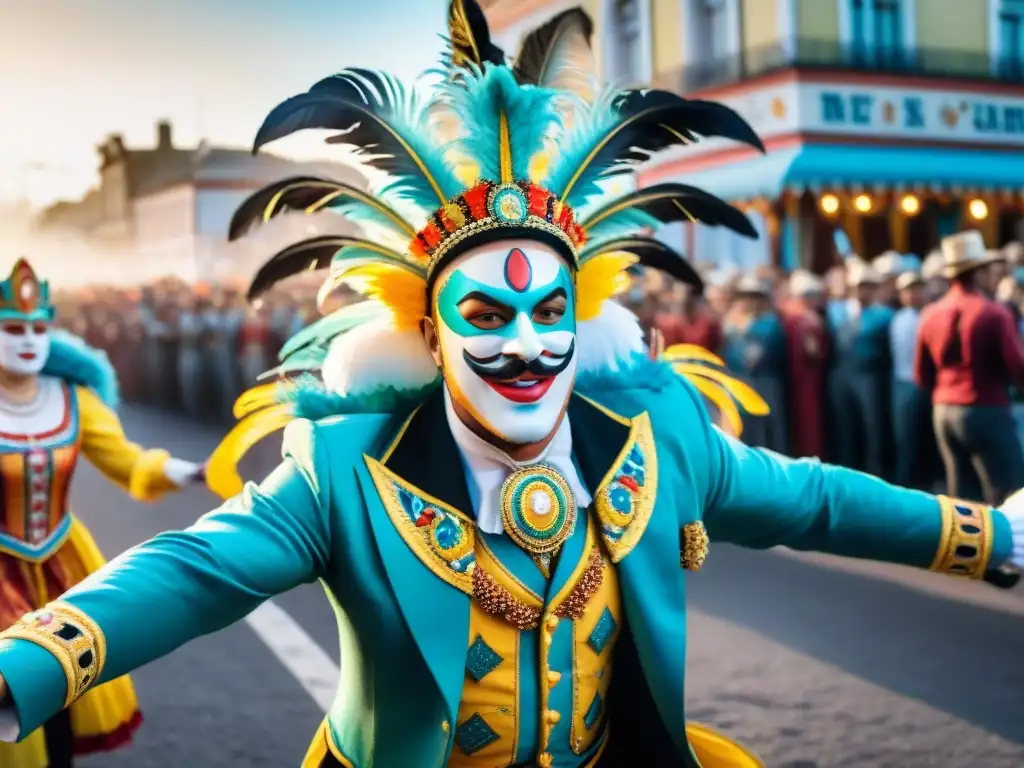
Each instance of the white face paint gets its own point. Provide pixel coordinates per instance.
(506, 321)
(24, 346)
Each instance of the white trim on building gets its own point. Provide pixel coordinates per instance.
(788, 28)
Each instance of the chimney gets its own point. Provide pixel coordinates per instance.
(115, 147)
(164, 139)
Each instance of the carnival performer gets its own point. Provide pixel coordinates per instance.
(56, 400)
(505, 515)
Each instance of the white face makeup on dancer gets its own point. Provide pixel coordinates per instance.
(505, 317)
(24, 346)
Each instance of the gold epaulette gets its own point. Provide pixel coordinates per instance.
(72, 638)
(965, 542)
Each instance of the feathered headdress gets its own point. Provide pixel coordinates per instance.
(528, 151)
(23, 296)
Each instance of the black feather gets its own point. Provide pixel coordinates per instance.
(535, 54)
(651, 121)
(363, 104)
(665, 114)
(299, 193)
(310, 255)
(652, 254)
(669, 203)
(469, 37)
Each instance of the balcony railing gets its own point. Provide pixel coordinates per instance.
(832, 55)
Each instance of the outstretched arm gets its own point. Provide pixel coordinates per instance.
(760, 499)
(145, 474)
(173, 588)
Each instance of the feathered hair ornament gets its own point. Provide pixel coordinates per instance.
(531, 144)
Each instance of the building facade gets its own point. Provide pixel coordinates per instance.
(164, 211)
(898, 121)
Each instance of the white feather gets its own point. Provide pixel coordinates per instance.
(609, 341)
(375, 356)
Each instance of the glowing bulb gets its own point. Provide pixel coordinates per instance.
(910, 205)
(862, 203)
(829, 204)
(978, 209)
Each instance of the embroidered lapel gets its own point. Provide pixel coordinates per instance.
(618, 458)
(414, 494)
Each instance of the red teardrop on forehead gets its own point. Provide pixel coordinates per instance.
(518, 272)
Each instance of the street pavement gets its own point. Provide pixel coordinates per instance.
(812, 661)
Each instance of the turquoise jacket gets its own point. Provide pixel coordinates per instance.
(760, 350)
(403, 618)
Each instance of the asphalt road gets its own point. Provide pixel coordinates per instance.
(811, 661)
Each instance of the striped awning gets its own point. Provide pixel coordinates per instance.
(860, 167)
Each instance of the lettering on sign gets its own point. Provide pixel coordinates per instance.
(928, 114)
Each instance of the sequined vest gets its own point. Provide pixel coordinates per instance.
(539, 661)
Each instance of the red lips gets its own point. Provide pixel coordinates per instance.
(518, 393)
(27, 355)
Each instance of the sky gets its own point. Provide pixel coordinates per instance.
(75, 71)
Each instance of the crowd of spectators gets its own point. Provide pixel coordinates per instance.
(832, 354)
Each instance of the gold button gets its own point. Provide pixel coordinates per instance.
(551, 622)
(553, 678)
(553, 717)
(544, 760)
(445, 726)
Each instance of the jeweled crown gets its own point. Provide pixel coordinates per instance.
(23, 296)
(490, 209)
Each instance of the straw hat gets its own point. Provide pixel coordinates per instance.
(859, 272)
(909, 280)
(963, 252)
(752, 285)
(804, 283)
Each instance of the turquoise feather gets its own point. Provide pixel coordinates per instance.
(336, 323)
(480, 97)
(589, 123)
(312, 400)
(78, 364)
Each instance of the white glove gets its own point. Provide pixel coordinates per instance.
(182, 473)
(1014, 511)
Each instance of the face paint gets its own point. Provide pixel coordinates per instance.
(24, 347)
(508, 349)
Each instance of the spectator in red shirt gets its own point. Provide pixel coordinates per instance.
(968, 354)
(808, 339)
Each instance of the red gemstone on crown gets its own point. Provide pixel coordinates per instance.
(426, 518)
(518, 272)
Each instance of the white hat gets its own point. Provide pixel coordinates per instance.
(859, 272)
(889, 264)
(963, 252)
(805, 283)
(908, 279)
(933, 265)
(753, 285)
(1014, 253)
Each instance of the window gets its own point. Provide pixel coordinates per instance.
(627, 41)
(888, 33)
(876, 33)
(1011, 39)
(715, 27)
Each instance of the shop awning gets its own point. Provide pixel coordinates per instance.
(877, 168)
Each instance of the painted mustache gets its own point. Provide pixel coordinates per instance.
(515, 367)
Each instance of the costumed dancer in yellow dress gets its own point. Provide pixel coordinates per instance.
(56, 400)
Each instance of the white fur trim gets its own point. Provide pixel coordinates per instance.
(376, 355)
(610, 340)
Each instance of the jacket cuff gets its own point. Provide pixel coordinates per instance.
(36, 683)
(148, 482)
(974, 538)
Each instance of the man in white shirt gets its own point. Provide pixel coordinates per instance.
(909, 402)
